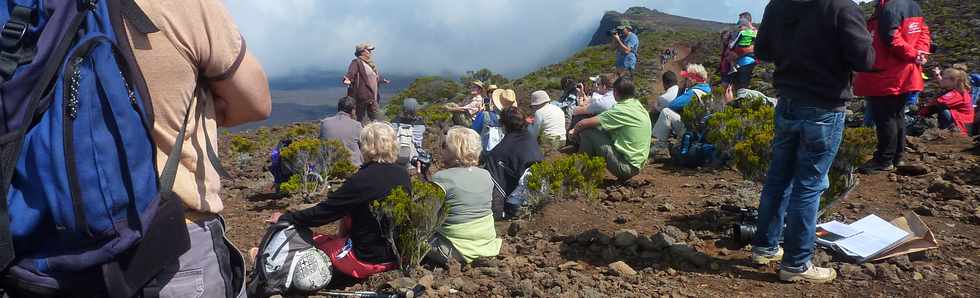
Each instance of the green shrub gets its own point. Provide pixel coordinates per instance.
(577, 175)
(240, 144)
(315, 163)
(302, 130)
(856, 147)
(414, 219)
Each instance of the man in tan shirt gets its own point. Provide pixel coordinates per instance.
(198, 61)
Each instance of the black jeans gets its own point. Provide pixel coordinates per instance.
(889, 118)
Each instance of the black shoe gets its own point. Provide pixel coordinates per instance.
(899, 163)
(874, 166)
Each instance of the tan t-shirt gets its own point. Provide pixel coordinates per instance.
(197, 40)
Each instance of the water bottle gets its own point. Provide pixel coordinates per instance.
(686, 143)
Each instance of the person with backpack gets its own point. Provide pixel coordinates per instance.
(508, 161)
(696, 78)
(468, 232)
(902, 44)
(410, 132)
(621, 135)
(739, 54)
(813, 80)
(147, 80)
(360, 249)
(115, 190)
(954, 109)
(363, 80)
(344, 128)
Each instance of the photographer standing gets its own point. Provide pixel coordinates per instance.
(627, 44)
(814, 81)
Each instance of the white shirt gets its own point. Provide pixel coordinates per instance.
(550, 121)
(601, 103)
(665, 99)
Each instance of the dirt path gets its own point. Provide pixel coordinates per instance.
(676, 65)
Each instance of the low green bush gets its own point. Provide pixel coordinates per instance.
(315, 163)
(413, 219)
(577, 175)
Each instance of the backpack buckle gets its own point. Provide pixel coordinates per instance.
(12, 33)
(87, 4)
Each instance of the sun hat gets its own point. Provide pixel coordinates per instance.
(503, 97)
(478, 83)
(539, 97)
(362, 47)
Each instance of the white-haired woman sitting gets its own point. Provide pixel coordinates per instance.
(359, 249)
(468, 232)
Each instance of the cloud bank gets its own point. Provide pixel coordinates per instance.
(440, 37)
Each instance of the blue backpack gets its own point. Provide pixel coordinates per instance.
(83, 207)
(975, 84)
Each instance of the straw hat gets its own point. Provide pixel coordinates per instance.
(503, 98)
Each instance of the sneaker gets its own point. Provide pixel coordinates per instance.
(873, 166)
(814, 274)
(763, 259)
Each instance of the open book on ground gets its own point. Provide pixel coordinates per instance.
(872, 238)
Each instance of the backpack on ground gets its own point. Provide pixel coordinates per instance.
(692, 151)
(406, 143)
(288, 263)
(82, 203)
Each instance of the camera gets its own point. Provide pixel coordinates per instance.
(746, 224)
(614, 31)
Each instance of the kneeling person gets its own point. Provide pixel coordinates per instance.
(468, 232)
(621, 135)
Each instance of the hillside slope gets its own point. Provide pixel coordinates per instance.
(650, 20)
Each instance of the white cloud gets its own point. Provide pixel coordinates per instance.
(439, 36)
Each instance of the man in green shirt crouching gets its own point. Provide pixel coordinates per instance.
(621, 135)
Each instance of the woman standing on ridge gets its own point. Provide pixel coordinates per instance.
(363, 80)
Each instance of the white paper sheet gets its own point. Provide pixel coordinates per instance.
(876, 235)
(838, 228)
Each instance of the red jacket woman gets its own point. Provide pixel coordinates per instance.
(954, 107)
(901, 40)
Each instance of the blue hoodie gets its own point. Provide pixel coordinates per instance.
(682, 100)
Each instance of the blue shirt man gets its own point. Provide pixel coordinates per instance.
(627, 48)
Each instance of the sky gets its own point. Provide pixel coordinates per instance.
(440, 37)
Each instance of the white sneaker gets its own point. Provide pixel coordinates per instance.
(814, 274)
(766, 259)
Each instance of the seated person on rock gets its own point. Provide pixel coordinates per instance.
(621, 135)
(549, 120)
(591, 105)
(370, 252)
(669, 81)
(508, 161)
(955, 108)
(468, 232)
(670, 117)
(409, 123)
(344, 128)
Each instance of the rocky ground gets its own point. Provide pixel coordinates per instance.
(666, 233)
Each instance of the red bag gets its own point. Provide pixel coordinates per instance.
(341, 251)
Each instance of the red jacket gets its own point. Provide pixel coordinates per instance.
(960, 104)
(896, 71)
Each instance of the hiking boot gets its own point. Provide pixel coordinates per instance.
(814, 274)
(764, 259)
(900, 163)
(874, 166)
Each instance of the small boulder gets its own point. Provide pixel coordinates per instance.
(625, 238)
(515, 228)
(665, 207)
(912, 170)
(622, 269)
(661, 241)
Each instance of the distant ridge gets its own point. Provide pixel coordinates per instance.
(646, 20)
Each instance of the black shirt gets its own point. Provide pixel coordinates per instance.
(374, 181)
(816, 46)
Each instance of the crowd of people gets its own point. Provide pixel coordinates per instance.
(495, 139)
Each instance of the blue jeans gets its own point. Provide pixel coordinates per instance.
(803, 148)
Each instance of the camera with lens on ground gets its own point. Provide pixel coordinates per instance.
(746, 223)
